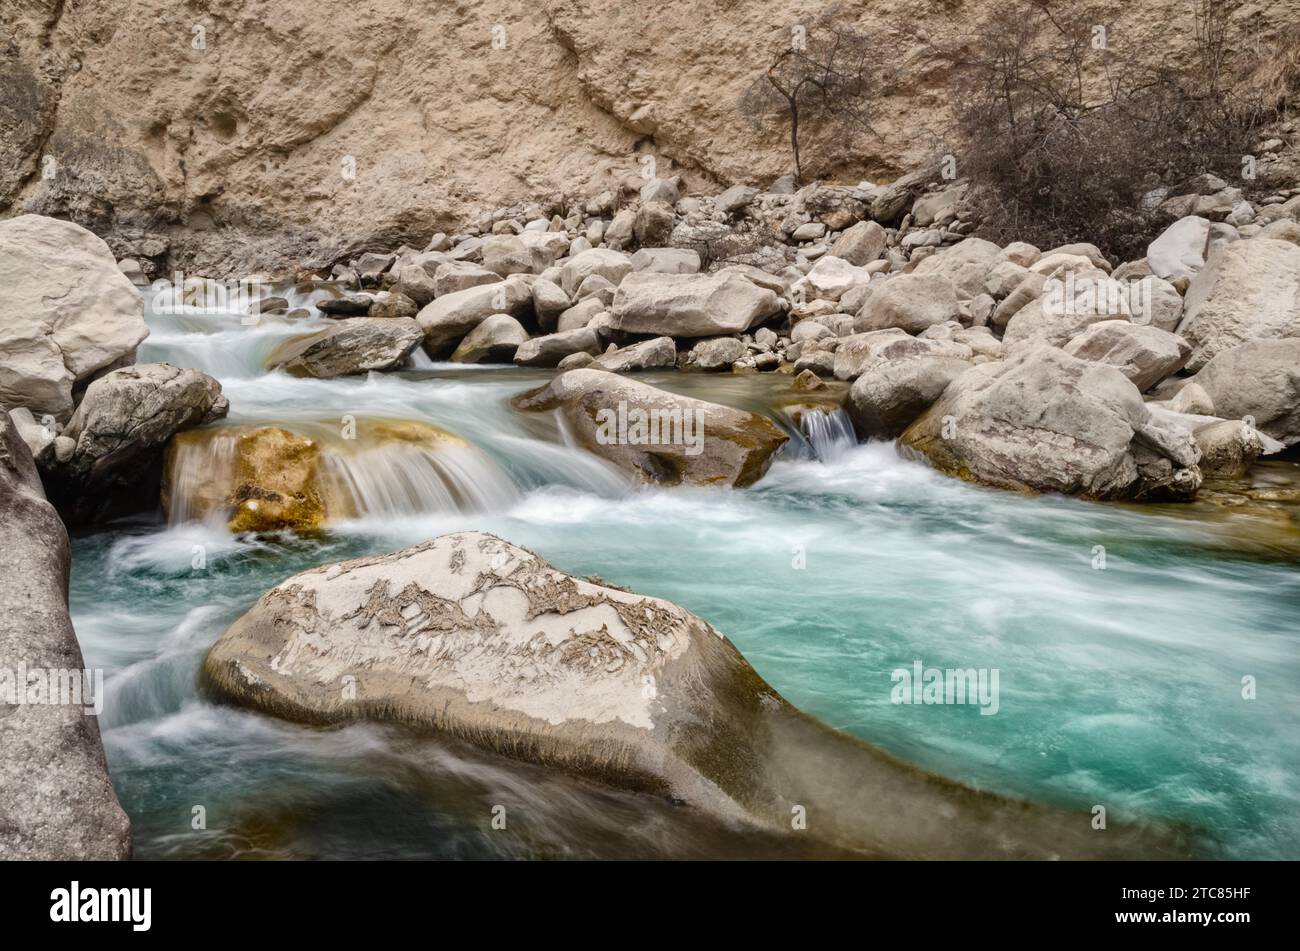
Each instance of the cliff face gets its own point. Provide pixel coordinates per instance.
(252, 134)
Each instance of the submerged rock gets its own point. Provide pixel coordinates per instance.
(267, 479)
(480, 640)
(1045, 421)
(68, 313)
(659, 436)
(56, 800)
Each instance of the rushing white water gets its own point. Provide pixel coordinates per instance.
(1120, 685)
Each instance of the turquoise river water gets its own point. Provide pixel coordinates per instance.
(1119, 685)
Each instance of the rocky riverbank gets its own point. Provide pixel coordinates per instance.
(1051, 370)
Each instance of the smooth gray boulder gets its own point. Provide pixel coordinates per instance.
(965, 264)
(450, 317)
(117, 438)
(1180, 249)
(1143, 354)
(580, 314)
(734, 199)
(609, 264)
(1068, 305)
(1260, 380)
(495, 340)
(691, 305)
(549, 350)
(486, 642)
(861, 244)
(853, 354)
(68, 313)
(908, 302)
(506, 254)
(657, 436)
(659, 353)
(1248, 290)
(890, 394)
(1042, 420)
(549, 301)
(453, 276)
(416, 283)
(1155, 302)
(352, 345)
(716, 353)
(56, 800)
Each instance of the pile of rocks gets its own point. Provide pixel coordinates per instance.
(886, 288)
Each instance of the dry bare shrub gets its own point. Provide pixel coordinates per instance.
(1062, 137)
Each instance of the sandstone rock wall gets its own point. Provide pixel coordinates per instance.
(221, 130)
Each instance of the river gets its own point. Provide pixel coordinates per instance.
(1121, 682)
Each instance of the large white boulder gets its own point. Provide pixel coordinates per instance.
(69, 312)
(1248, 290)
(691, 305)
(1045, 421)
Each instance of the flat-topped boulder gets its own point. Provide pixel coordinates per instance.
(1042, 420)
(350, 346)
(470, 637)
(657, 436)
(691, 305)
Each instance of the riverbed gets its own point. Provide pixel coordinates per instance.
(1121, 634)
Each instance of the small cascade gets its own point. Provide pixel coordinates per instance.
(391, 469)
(409, 479)
(200, 475)
(829, 433)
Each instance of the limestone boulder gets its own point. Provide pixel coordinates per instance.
(691, 305)
(1260, 380)
(495, 340)
(69, 313)
(657, 436)
(550, 349)
(1144, 354)
(350, 346)
(56, 799)
(908, 302)
(450, 317)
(1247, 290)
(1042, 420)
(118, 435)
(658, 353)
(890, 394)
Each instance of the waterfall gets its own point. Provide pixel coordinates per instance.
(405, 479)
(399, 469)
(829, 434)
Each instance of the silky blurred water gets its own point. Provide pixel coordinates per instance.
(1120, 686)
